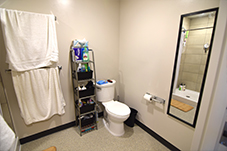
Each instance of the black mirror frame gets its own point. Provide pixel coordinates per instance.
(206, 66)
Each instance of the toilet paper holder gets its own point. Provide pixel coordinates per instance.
(155, 99)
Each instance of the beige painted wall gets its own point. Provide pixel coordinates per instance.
(97, 21)
(213, 106)
(148, 39)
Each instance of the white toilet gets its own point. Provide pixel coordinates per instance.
(115, 112)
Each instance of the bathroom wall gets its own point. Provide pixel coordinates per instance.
(194, 57)
(4, 109)
(148, 37)
(97, 21)
(210, 121)
(148, 40)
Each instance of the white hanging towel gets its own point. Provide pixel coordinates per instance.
(30, 39)
(39, 94)
(7, 136)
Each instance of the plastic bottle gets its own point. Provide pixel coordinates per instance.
(184, 87)
(181, 87)
(80, 103)
(83, 68)
(79, 68)
(85, 54)
(86, 67)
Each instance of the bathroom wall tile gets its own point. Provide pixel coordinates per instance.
(198, 87)
(194, 49)
(181, 68)
(186, 23)
(194, 40)
(203, 59)
(210, 21)
(193, 68)
(199, 20)
(190, 85)
(209, 31)
(184, 49)
(197, 32)
(189, 76)
(179, 82)
(183, 58)
(180, 75)
(193, 59)
(201, 69)
(195, 26)
(207, 38)
(200, 79)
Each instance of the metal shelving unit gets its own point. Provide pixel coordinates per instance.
(81, 78)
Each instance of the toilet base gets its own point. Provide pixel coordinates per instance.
(116, 129)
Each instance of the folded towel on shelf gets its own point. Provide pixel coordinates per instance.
(39, 94)
(30, 39)
(7, 136)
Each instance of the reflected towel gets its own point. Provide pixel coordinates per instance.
(39, 94)
(30, 39)
(7, 136)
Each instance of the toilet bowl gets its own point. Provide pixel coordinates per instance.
(115, 112)
(115, 115)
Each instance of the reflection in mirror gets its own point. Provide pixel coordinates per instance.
(191, 64)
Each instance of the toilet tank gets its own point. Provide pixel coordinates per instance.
(105, 92)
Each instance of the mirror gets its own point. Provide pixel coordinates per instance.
(196, 33)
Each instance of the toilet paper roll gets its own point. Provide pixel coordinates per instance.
(147, 97)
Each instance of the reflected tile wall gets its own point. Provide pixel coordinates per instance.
(194, 57)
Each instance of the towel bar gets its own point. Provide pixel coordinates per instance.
(9, 70)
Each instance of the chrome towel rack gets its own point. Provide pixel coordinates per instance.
(59, 67)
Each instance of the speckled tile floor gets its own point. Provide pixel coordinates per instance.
(134, 139)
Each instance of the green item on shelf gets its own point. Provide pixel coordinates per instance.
(187, 32)
(85, 54)
(86, 67)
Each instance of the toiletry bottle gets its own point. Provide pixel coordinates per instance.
(86, 67)
(184, 87)
(80, 103)
(181, 87)
(79, 68)
(85, 54)
(83, 68)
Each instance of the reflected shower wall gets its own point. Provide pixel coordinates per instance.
(194, 57)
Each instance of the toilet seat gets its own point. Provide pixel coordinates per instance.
(118, 109)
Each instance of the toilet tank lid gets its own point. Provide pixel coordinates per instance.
(107, 84)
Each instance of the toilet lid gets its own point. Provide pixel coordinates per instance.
(118, 108)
